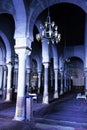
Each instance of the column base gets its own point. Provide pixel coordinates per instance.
(38, 90)
(9, 95)
(8, 98)
(56, 95)
(45, 100)
(19, 113)
(86, 92)
(61, 92)
(18, 118)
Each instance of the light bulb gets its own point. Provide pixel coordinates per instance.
(50, 33)
(53, 24)
(59, 36)
(43, 33)
(52, 41)
(56, 28)
(46, 24)
(38, 37)
(56, 34)
(41, 26)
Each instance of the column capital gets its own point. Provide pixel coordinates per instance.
(55, 69)
(46, 64)
(5, 67)
(39, 72)
(85, 69)
(22, 43)
(28, 70)
(9, 64)
(22, 50)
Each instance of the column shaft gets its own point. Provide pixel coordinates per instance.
(9, 89)
(19, 115)
(61, 88)
(56, 84)
(45, 93)
(39, 81)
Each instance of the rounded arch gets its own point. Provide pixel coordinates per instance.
(20, 18)
(39, 65)
(7, 45)
(3, 52)
(74, 69)
(38, 10)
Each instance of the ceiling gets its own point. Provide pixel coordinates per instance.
(70, 20)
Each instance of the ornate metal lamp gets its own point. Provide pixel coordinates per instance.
(49, 31)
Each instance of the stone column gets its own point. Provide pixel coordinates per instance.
(39, 81)
(61, 85)
(1, 78)
(28, 71)
(56, 84)
(65, 83)
(69, 84)
(22, 50)
(9, 79)
(15, 79)
(45, 93)
(4, 82)
(85, 50)
(19, 115)
(85, 74)
(51, 81)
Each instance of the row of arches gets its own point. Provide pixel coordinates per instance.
(26, 63)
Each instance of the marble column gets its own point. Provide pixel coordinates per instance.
(15, 79)
(45, 93)
(4, 81)
(85, 50)
(85, 78)
(9, 80)
(65, 83)
(61, 83)
(19, 114)
(1, 78)
(28, 85)
(51, 80)
(56, 84)
(39, 82)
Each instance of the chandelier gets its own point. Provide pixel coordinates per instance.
(49, 31)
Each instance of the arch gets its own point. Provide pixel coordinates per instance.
(74, 68)
(20, 19)
(7, 45)
(73, 51)
(37, 59)
(3, 52)
(35, 13)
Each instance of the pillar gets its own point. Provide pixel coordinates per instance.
(16, 79)
(65, 83)
(22, 51)
(85, 74)
(28, 85)
(56, 84)
(45, 93)
(9, 79)
(19, 114)
(1, 78)
(85, 46)
(39, 81)
(4, 81)
(61, 83)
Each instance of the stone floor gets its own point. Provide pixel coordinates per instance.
(66, 113)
